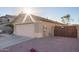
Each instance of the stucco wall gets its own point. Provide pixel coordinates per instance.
(77, 31)
(38, 35)
(22, 29)
(49, 31)
(26, 30)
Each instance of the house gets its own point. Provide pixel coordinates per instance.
(10, 17)
(34, 26)
(4, 21)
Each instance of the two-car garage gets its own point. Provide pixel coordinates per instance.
(24, 30)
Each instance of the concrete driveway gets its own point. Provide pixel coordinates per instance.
(54, 44)
(7, 40)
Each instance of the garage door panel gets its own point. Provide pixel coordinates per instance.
(25, 30)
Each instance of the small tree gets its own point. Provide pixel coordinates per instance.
(66, 19)
(63, 20)
(11, 26)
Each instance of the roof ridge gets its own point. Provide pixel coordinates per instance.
(47, 19)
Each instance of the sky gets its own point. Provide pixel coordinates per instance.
(53, 13)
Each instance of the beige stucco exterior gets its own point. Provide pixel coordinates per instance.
(34, 29)
(47, 28)
(49, 31)
(77, 31)
(37, 29)
(27, 30)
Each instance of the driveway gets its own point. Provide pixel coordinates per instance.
(10, 40)
(53, 44)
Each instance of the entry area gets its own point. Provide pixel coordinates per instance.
(65, 31)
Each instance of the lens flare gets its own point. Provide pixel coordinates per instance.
(28, 11)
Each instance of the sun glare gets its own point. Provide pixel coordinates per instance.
(28, 11)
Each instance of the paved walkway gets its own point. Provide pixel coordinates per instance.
(55, 44)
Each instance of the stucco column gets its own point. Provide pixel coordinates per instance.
(77, 31)
(53, 31)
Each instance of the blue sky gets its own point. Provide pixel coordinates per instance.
(54, 13)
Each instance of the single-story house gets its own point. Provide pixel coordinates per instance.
(34, 26)
(4, 21)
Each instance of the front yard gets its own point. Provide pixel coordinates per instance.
(54, 44)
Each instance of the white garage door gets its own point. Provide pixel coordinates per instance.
(24, 30)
